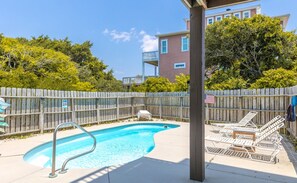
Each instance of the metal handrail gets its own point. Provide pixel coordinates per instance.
(63, 170)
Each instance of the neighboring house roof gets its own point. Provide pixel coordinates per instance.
(284, 18)
(212, 4)
(173, 33)
(258, 7)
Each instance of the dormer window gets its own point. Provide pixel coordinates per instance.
(210, 20)
(219, 18)
(247, 14)
(237, 15)
(227, 16)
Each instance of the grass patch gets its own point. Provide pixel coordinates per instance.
(26, 135)
(19, 136)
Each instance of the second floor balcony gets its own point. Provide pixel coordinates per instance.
(137, 80)
(151, 57)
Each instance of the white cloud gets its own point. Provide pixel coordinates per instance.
(106, 31)
(120, 36)
(149, 43)
(142, 32)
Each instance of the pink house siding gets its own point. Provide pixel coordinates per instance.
(166, 62)
(174, 55)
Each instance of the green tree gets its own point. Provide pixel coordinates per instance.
(258, 44)
(276, 78)
(226, 79)
(159, 84)
(18, 78)
(221, 80)
(22, 65)
(46, 57)
(181, 83)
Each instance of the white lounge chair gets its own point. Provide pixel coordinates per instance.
(228, 131)
(246, 147)
(144, 114)
(246, 121)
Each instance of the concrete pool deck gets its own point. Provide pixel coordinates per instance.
(167, 163)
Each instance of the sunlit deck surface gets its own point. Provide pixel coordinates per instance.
(167, 163)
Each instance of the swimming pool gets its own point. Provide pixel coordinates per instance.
(115, 146)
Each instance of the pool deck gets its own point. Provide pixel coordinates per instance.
(167, 163)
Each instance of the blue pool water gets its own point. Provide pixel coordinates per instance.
(114, 146)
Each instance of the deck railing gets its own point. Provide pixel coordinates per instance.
(150, 56)
(132, 80)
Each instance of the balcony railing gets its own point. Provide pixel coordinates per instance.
(150, 56)
(135, 80)
(132, 80)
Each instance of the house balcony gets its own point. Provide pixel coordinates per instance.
(151, 57)
(137, 80)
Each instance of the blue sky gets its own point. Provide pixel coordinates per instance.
(119, 30)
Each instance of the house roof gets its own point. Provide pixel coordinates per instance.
(234, 11)
(231, 11)
(284, 18)
(173, 33)
(211, 4)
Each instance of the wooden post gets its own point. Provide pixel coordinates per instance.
(118, 108)
(207, 114)
(98, 111)
(197, 111)
(132, 107)
(160, 108)
(73, 115)
(181, 108)
(240, 112)
(41, 115)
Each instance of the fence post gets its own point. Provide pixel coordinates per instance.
(118, 108)
(132, 107)
(98, 111)
(181, 108)
(145, 102)
(207, 114)
(160, 108)
(73, 115)
(240, 114)
(41, 115)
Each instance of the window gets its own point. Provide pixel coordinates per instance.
(258, 10)
(238, 15)
(180, 65)
(184, 43)
(219, 18)
(210, 20)
(247, 14)
(227, 16)
(164, 46)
